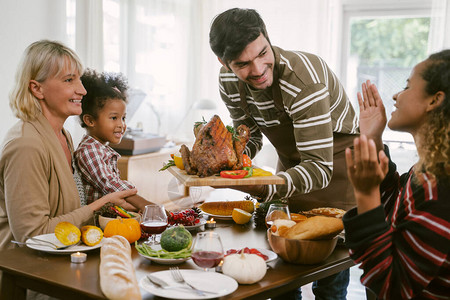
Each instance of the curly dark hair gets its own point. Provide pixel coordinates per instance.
(100, 88)
(434, 150)
(232, 30)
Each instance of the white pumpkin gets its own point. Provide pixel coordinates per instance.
(244, 268)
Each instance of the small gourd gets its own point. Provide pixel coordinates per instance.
(128, 228)
(67, 233)
(244, 268)
(91, 235)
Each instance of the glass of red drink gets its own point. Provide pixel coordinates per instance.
(153, 222)
(207, 251)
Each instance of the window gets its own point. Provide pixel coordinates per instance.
(148, 42)
(384, 49)
(383, 45)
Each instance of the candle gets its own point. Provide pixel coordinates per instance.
(210, 224)
(78, 257)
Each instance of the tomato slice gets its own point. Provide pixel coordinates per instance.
(234, 174)
(246, 161)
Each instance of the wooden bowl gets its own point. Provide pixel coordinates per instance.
(104, 220)
(305, 252)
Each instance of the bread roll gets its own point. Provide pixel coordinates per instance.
(117, 276)
(298, 217)
(315, 228)
(281, 226)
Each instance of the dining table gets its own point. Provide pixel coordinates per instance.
(54, 275)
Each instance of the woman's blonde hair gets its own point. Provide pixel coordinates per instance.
(434, 149)
(41, 60)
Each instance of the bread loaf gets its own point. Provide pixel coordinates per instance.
(315, 228)
(325, 211)
(117, 276)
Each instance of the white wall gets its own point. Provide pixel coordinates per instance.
(21, 23)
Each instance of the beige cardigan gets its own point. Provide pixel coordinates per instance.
(37, 189)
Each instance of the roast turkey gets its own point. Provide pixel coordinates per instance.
(215, 148)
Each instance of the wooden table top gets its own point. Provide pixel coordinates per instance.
(217, 181)
(55, 275)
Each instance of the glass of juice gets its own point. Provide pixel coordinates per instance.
(153, 222)
(207, 251)
(277, 211)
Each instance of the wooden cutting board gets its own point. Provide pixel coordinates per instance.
(215, 180)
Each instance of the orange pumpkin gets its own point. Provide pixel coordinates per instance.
(128, 228)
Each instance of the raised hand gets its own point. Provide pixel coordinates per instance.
(372, 114)
(365, 172)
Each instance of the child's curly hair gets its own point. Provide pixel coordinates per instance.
(100, 88)
(434, 150)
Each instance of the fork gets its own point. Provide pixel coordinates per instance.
(158, 282)
(178, 277)
(54, 246)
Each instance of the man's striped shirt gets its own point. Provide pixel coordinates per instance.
(317, 104)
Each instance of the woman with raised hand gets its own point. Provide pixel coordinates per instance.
(37, 186)
(400, 229)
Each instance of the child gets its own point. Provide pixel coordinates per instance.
(400, 230)
(103, 116)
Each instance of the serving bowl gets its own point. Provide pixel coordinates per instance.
(102, 221)
(305, 252)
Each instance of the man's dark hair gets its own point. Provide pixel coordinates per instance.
(232, 30)
(101, 87)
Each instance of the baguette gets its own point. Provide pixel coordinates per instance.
(225, 208)
(117, 277)
(316, 228)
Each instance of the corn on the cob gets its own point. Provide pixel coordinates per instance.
(225, 208)
(91, 235)
(67, 233)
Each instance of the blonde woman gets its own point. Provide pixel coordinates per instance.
(37, 186)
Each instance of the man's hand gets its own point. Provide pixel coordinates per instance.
(365, 172)
(254, 190)
(372, 114)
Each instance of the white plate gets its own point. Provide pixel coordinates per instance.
(201, 223)
(218, 217)
(271, 256)
(50, 237)
(219, 284)
(269, 253)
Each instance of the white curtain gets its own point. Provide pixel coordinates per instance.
(89, 33)
(89, 47)
(311, 26)
(162, 46)
(439, 37)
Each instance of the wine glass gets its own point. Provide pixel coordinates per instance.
(207, 251)
(154, 221)
(275, 212)
(194, 193)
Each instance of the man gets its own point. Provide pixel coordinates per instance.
(296, 101)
